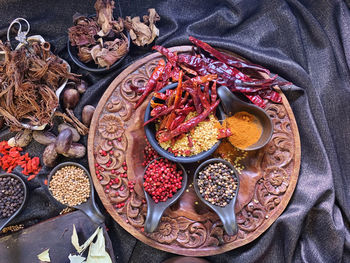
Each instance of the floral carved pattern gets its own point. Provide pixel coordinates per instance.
(188, 228)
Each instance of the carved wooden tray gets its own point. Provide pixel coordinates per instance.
(115, 151)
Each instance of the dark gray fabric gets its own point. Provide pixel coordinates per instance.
(305, 42)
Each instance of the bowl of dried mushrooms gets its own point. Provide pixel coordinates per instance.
(98, 43)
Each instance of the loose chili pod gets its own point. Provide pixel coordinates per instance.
(157, 73)
(232, 61)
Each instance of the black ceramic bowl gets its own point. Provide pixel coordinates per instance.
(227, 213)
(92, 66)
(150, 130)
(6, 221)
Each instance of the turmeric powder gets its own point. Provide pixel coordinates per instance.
(246, 129)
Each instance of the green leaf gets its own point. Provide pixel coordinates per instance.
(44, 256)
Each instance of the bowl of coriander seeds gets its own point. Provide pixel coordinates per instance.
(69, 183)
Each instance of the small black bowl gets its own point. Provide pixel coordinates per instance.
(227, 213)
(156, 210)
(92, 66)
(6, 221)
(150, 131)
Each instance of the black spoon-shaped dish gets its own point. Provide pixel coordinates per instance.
(5, 221)
(232, 104)
(89, 207)
(156, 210)
(226, 213)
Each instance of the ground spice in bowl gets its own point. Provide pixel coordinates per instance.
(245, 128)
(70, 185)
(11, 196)
(217, 184)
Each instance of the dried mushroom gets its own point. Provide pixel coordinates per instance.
(100, 38)
(143, 33)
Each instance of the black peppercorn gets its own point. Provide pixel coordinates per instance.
(217, 184)
(12, 196)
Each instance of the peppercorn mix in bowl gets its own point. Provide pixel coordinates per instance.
(178, 132)
(216, 183)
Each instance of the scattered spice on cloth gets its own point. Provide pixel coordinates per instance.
(143, 33)
(11, 157)
(245, 128)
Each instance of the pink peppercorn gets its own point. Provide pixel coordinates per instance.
(154, 183)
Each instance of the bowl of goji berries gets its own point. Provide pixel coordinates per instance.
(163, 183)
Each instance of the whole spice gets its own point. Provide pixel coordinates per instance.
(245, 128)
(149, 153)
(82, 86)
(230, 72)
(11, 196)
(217, 184)
(22, 139)
(70, 185)
(29, 78)
(70, 98)
(50, 155)
(86, 115)
(43, 137)
(75, 133)
(64, 141)
(11, 157)
(162, 179)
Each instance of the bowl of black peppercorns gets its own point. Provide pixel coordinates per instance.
(13, 194)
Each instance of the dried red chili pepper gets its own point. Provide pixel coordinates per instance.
(157, 73)
(160, 96)
(229, 60)
(188, 125)
(157, 110)
(171, 56)
(223, 133)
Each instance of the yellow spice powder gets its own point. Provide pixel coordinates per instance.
(245, 127)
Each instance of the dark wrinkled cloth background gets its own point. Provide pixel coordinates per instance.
(305, 42)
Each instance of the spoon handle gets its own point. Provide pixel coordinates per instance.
(92, 211)
(5, 222)
(228, 219)
(153, 217)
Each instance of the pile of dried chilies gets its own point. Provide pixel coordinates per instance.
(229, 71)
(29, 78)
(11, 157)
(178, 103)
